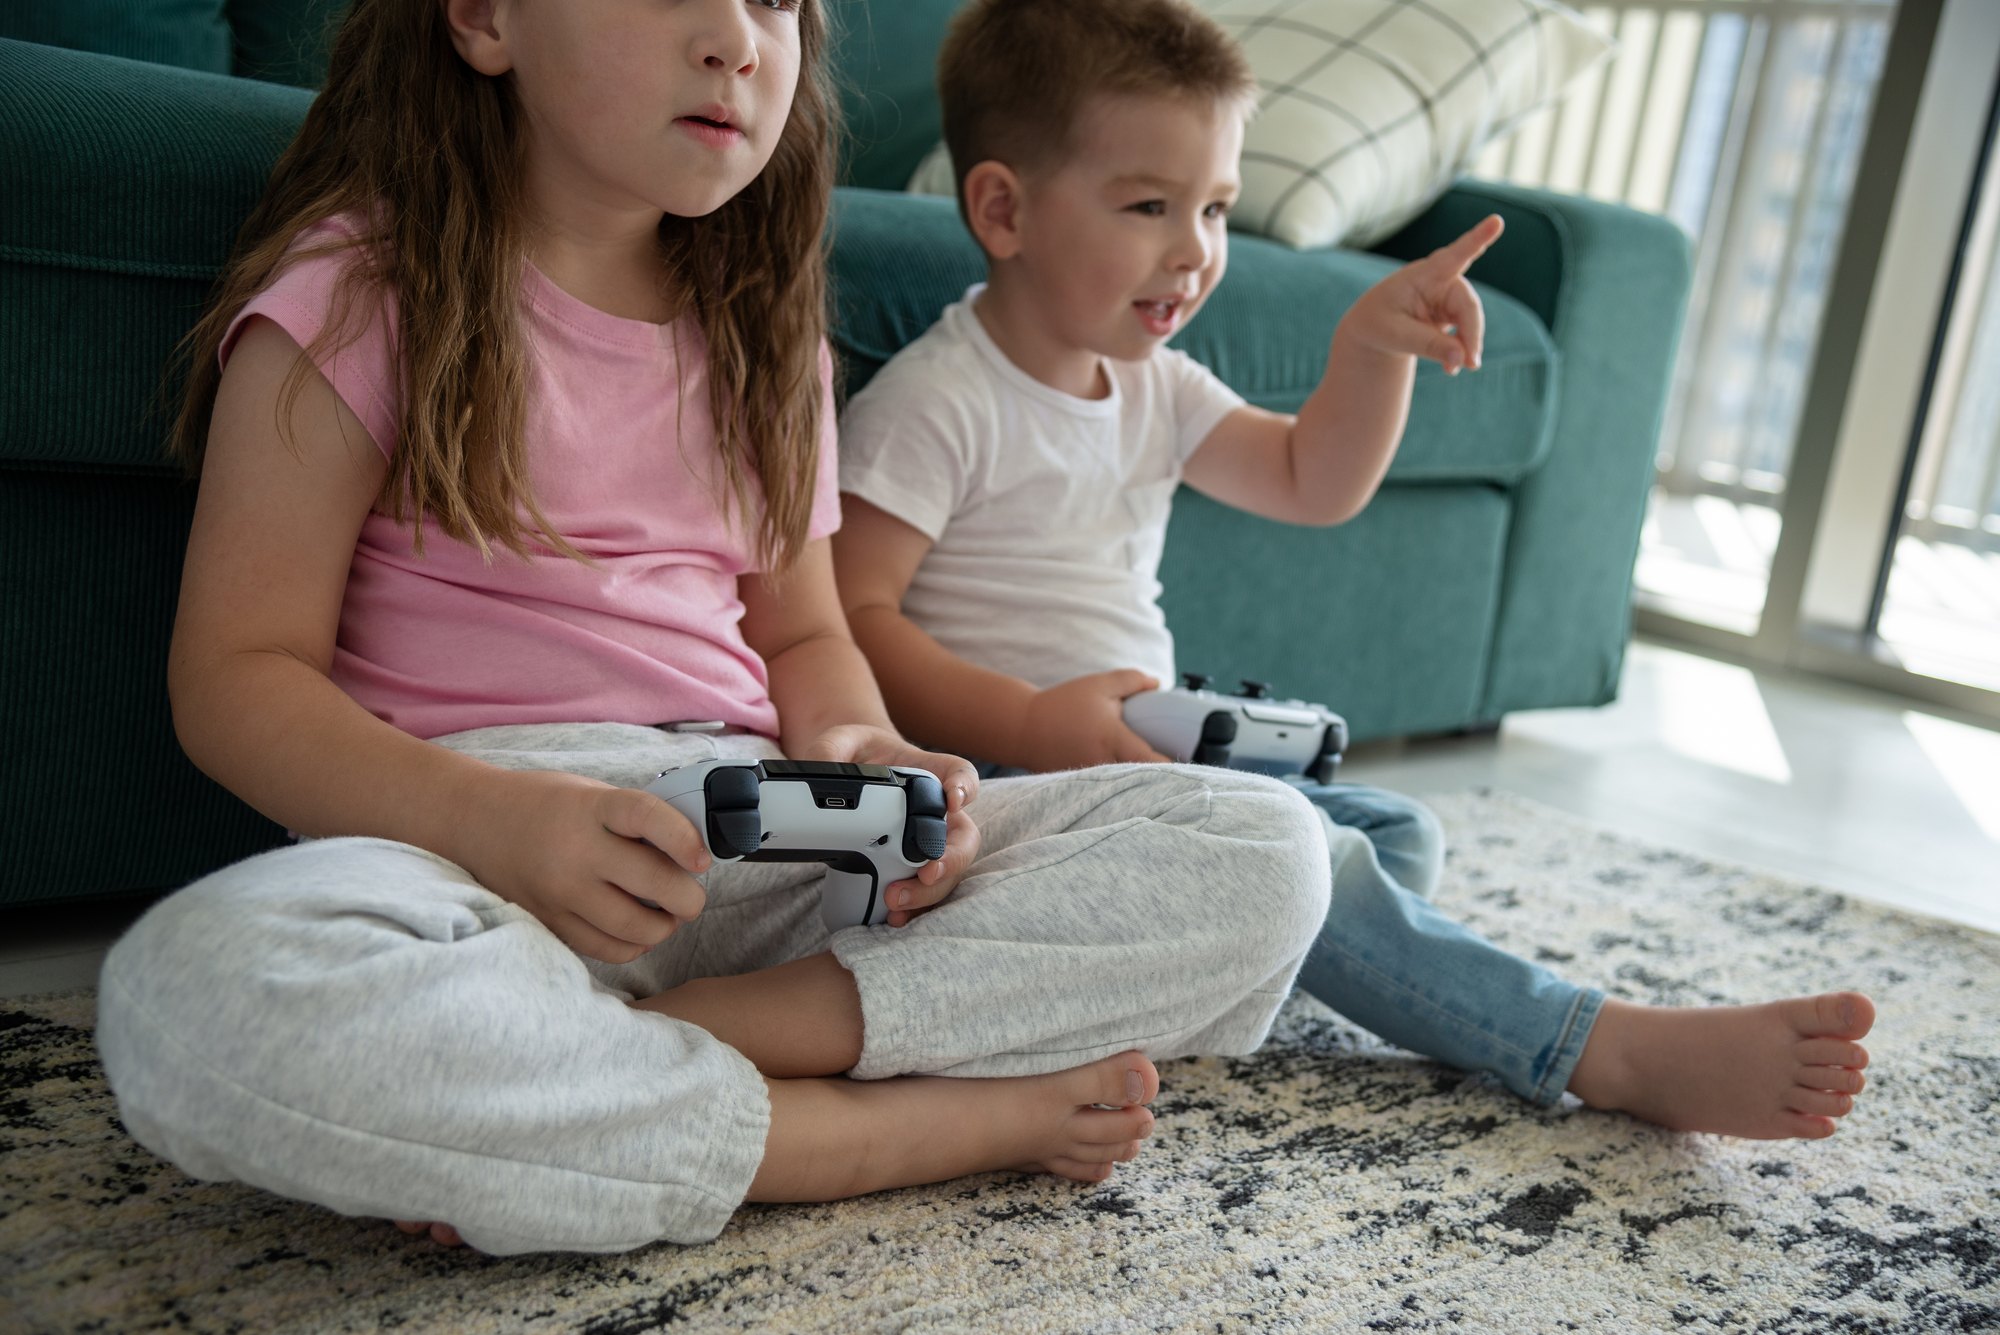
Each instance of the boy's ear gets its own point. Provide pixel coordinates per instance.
(476, 35)
(993, 208)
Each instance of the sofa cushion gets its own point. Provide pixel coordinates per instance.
(122, 186)
(899, 259)
(1367, 112)
(884, 59)
(284, 41)
(1387, 619)
(191, 34)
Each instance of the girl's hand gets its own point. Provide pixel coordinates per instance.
(1081, 722)
(858, 744)
(1427, 308)
(609, 870)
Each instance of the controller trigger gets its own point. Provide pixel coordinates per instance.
(735, 834)
(924, 795)
(923, 839)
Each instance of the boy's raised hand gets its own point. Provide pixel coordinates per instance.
(1081, 722)
(609, 870)
(859, 744)
(1427, 308)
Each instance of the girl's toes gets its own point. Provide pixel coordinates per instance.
(1125, 1080)
(1819, 1102)
(412, 1226)
(1076, 1170)
(1102, 1127)
(446, 1235)
(1138, 1124)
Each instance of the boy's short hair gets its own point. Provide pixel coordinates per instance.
(1013, 74)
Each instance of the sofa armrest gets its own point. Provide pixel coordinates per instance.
(122, 186)
(1611, 283)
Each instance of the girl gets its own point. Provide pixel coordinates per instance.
(513, 420)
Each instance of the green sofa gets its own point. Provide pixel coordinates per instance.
(1491, 574)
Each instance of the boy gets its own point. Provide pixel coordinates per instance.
(1009, 476)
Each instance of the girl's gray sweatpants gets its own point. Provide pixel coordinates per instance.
(357, 1023)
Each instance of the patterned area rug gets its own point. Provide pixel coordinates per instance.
(1329, 1183)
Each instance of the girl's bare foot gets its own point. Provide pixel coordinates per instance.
(834, 1138)
(1785, 1069)
(443, 1233)
(831, 1139)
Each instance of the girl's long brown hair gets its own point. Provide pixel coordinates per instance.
(425, 153)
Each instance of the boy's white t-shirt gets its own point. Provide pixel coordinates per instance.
(1047, 512)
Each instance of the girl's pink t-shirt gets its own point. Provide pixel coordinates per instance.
(622, 461)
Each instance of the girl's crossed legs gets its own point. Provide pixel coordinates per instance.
(355, 1023)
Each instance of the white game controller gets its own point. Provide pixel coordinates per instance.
(870, 824)
(1249, 730)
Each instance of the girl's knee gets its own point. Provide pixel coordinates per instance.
(1282, 897)
(292, 902)
(253, 958)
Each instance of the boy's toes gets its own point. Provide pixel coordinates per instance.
(1819, 1102)
(1836, 1078)
(1832, 1052)
(1836, 1015)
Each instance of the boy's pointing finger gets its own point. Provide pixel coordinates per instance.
(1459, 255)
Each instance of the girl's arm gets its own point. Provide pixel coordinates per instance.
(829, 707)
(819, 680)
(275, 526)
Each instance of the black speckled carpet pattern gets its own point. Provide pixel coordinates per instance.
(1329, 1183)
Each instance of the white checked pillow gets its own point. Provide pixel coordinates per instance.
(1369, 109)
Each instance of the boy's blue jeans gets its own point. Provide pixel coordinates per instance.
(1390, 961)
(1394, 964)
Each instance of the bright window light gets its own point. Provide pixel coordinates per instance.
(1713, 712)
(1968, 759)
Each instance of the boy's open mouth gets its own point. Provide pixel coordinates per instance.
(1159, 317)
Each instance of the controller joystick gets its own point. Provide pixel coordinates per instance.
(870, 824)
(1250, 730)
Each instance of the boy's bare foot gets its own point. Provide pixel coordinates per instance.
(1782, 1070)
(830, 1139)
